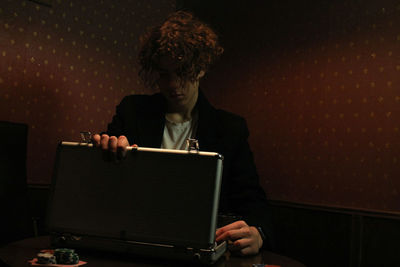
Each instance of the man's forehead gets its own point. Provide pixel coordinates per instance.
(167, 63)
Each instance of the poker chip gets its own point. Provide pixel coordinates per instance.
(66, 256)
(46, 258)
(59, 256)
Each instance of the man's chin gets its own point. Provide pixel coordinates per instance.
(178, 103)
(177, 100)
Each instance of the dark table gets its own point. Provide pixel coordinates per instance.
(19, 253)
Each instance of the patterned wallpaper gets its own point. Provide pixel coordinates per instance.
(319, 84)
(66, 64)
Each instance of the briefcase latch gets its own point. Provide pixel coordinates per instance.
(192, 145)
(86, 137)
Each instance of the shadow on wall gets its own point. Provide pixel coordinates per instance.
(65, 66)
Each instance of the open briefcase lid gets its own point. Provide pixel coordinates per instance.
(155, 196)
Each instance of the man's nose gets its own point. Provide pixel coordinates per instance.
(173, 80)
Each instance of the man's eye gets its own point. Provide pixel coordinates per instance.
(163, 75)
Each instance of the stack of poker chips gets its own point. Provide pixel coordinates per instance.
(66, 256)
(46, 258)
(60, 256)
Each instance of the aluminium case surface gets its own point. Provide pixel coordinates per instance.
(154, 197)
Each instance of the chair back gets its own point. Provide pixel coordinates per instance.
(13, 185)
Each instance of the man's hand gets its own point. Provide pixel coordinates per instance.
(241, 238)
(116, 146)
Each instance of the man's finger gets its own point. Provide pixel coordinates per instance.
(242, 243)
(112, 144)
(248, 250)
(96, 139)
(104, 141)
(232, 226)
(122, 144)
(123, 141)
(234, 234)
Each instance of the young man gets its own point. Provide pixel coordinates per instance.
(174, 57)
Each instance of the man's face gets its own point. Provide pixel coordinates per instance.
(179, 93)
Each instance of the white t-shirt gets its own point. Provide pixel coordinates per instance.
(175, 134)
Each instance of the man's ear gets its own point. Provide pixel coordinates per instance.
(201, 74)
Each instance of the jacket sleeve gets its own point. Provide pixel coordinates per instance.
(246, 196)
(116, 126)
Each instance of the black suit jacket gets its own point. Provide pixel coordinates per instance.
(141, 119)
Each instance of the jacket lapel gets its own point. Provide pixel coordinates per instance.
(207, 125)
(151, 122)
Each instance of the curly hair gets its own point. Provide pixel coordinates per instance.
(192, 44)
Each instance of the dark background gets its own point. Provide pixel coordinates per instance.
(317, 81)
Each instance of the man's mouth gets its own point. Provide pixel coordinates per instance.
(176, 95)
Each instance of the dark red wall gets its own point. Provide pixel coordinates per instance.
(66, 65)
(319, 84)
